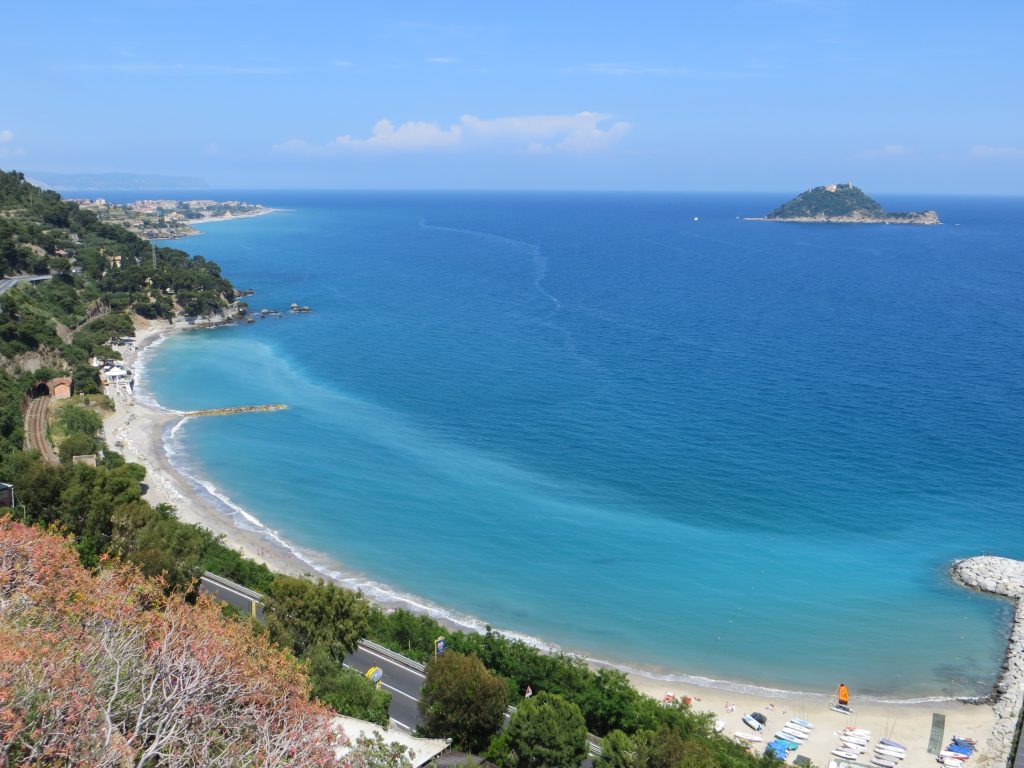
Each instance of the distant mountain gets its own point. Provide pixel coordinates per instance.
(844, 204)
(112, 182)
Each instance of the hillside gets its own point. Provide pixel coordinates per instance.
(98, 277)
(843, 204)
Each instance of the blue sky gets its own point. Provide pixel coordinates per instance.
(759, 95)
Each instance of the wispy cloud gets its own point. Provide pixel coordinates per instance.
(619, 69)
(887, 150)
(986, 151)
(341, 63)
(441, 60)
(6, 136)
(534, 134)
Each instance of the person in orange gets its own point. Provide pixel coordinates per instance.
(844, 695)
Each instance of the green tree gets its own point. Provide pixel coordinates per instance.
(462, 701)
(345, 690)
(76, 444)
(617, 751)
(374, 752)
(75, 418)
(302, 613)
(547, 731)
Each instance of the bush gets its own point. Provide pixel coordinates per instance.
(345, 690)
(462, 701)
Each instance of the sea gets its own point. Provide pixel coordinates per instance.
(636, 427)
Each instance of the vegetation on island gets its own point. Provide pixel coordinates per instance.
(134, 567)
(843, 203)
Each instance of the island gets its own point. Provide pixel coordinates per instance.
(842, 204)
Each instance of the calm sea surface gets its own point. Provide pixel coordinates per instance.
(636, 426)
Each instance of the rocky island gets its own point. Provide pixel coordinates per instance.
(842, 204)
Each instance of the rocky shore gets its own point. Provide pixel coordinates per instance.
(1005, 577)
(923, 217)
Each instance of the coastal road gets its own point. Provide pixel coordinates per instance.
(35, 428)
(403, 681)
(6, 283)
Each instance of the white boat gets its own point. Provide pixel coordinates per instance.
(857, 748)
(883, 763)
(794, 735)
(793, 726)
(854, 739)
(947, 753)
(883, 750)
(840, 764)
(788, 737)
(951, 762)
(752, 723)
(845, 753)
(747, 736)
(857, 731)
(804, 723)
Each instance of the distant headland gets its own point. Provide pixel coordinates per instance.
(842, 204)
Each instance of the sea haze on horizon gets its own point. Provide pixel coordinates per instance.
(635, 425)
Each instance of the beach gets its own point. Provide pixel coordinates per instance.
(136, 429)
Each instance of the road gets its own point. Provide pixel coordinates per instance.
(35, 428)
(403, 682)
(6, 283)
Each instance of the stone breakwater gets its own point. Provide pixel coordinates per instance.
(1001, 576)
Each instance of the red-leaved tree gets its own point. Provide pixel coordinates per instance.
(106, 670)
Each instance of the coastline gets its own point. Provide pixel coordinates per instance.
(138, 428)
(190, 223)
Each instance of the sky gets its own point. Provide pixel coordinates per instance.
(729, 95)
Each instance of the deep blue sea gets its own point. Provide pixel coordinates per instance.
(635, 426)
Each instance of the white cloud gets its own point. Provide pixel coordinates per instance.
(6, 137)
(441, 60)
(889, 150)
(987, 151)
(212, 149)
(533, 134)
(342, 63)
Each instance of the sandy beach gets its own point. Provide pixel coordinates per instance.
(135, 429)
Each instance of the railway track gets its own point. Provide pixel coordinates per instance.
(35, 428)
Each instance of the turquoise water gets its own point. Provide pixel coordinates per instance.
(734, 450)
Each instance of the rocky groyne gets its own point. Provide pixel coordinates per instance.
(1005, 577)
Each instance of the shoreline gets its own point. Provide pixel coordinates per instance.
(190, 223)
(138, 428)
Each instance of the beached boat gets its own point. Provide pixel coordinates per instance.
(883, 750)
(840, 764)
(951, 762)
(780, 736)
(797, 727)
(854, 747)
(841, 709)
(891, 743)
(846, 754)
(960, 756)
(792, 735)
(753, 722)
(858, 731)
(854, 739)
(747, 736)
(883, 763)
(889, 752)
(804, 723)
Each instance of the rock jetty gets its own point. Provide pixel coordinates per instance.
(1005, 577)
